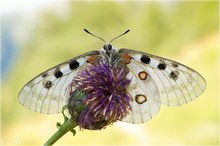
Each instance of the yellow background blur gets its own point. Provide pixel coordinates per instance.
(184, 31)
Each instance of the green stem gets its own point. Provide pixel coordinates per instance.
(68, 125)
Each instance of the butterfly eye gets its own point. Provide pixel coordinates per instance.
(107, 47)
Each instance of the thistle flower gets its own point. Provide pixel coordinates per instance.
(107, 99)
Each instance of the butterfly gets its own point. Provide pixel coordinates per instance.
(155, 81)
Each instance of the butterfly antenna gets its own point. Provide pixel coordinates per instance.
(94, 35)
(119, 36)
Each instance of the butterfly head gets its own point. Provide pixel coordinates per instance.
(108, 49)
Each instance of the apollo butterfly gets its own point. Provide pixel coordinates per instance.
(154, 81)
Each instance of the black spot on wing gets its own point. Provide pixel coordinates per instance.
(173, 75)
(73, 64)
(174, 64)
(44, 75)
(58, 74)
(145, 59)
(47, 84)
(162, 66)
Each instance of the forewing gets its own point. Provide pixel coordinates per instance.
(46, 93)
(177, 83)
(144, 93)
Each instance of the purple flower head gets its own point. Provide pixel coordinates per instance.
(107, 99)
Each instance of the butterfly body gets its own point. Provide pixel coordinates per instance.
(154, 81)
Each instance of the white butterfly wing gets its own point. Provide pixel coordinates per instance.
(177, 83)
(46, 93)
(145, 95)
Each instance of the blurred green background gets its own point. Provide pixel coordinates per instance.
(184, 31)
